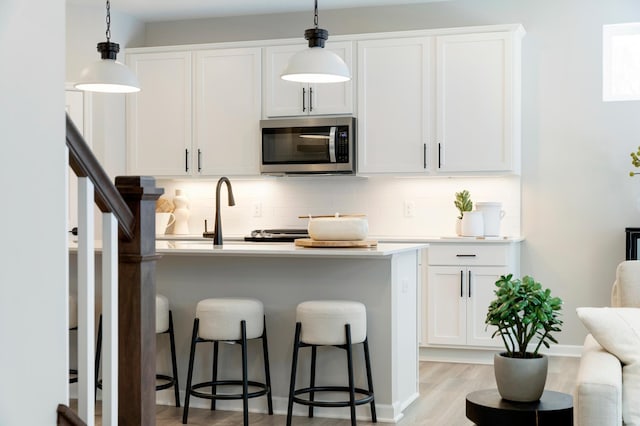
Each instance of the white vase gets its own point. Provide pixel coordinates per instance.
(472, 224)
(181, 213)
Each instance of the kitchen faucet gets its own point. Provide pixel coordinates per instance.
(217, 231)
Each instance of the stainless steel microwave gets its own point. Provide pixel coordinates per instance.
(314, 145)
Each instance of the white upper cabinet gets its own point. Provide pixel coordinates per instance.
(220, 136)
(227, 111)
(476, 103)
(285, 98)
(159, 116)
(394, 117)
(440, 105)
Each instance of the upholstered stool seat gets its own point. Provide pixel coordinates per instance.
(232, 320)
(164, 325)
(338, 323)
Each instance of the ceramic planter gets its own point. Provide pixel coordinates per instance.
(520, 379)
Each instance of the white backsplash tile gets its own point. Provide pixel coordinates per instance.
(382, 199)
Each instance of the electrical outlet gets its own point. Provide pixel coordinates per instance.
(409, 209)
(257, 209)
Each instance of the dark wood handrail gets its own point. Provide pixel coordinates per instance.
(107, 198)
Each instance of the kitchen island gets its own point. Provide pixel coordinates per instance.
(385, 278)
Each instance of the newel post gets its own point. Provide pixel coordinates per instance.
(137, 305)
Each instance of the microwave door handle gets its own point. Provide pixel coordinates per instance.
(332, 144)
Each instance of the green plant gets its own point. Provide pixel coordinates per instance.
(522, 311)
(635, 160)
(463, 202)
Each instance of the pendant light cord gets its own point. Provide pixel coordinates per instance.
(315, 16)
(108, 20)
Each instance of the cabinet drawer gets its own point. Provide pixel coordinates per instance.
(470, 254)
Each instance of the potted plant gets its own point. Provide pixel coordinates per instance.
(524, 314)
(464, 204)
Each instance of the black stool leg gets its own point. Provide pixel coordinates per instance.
(312, 380)
(245, 384)
(294, 367)
(214, 373)
(352, 395)
(194, 337)
(97, 359)
(172, 342)
(367, 361)
(267, 373)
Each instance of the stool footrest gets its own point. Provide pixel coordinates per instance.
(264, 389)
(361, 401)
(170, 382)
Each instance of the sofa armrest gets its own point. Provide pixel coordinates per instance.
(598, 393)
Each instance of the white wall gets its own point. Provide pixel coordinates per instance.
(33, 277)
(577, 197)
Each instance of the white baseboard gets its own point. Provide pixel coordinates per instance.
(485, 355)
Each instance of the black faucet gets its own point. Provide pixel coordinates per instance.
(217, 231)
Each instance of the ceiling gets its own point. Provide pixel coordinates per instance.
(164, 10)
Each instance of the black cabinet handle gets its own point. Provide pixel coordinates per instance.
(469, 284)
(310, 99)
(461, 284)
(424, 156)
(186, 160)
(439, 156)
(304, 99)
(199, 164)
(465, 255)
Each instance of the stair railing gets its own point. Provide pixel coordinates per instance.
(128, 289)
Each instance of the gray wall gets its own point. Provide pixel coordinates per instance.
(577, 197)
(33, 273)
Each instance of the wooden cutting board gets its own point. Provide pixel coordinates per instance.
(308, 242)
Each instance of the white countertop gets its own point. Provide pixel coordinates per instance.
(380, 238)
(241, 248)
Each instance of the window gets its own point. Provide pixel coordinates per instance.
(621, 62)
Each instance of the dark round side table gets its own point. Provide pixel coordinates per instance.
(487, 408)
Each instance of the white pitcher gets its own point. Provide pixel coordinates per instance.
(492, 214)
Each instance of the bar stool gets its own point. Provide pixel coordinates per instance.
(73, 326)
(164, 325)
(337, 323)
(229, 320)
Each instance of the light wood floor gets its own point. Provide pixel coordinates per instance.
(443, 387)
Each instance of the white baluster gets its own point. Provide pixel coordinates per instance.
(109, 319)
(86, 301)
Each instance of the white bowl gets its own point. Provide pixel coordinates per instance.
(340, 228)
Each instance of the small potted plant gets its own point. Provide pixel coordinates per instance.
(464, 204)
(524, 314)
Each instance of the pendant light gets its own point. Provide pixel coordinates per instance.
(107, 74)
(315, 64)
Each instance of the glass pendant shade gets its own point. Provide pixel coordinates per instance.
(316, 65)
(108, 75)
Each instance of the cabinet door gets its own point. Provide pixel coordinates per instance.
(227, 115)
(159, 116)
(480, 293)
(446, 305)
(286, 98)
(394, 118)
(475, 102)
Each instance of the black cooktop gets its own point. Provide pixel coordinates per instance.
(277, 235)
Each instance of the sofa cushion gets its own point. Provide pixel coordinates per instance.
(618, 331)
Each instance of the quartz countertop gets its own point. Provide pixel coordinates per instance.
(241, 248)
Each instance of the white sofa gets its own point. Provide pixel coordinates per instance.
(598, 396)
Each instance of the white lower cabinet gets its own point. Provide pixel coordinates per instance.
(459, 288)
